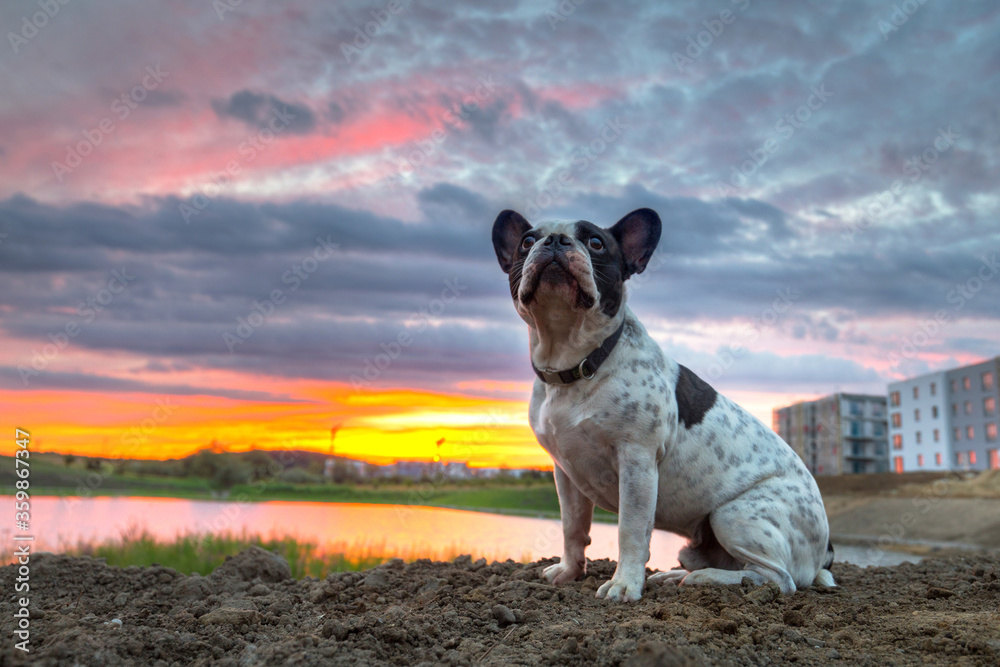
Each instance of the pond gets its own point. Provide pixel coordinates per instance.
(407, 531)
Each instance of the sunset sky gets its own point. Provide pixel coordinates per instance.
(215, 217)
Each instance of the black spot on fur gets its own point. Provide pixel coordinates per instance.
(829, 555)
(695, 397)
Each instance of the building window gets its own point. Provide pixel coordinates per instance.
(894, 399)
(878, 430)
(920, 460)
(916, 415)
(972, 458)
(958, 434)
(954, 386)
(970, 432)
(994, 459)
(916, 392)
(898, 464)
(989, 406)
(897, 420)
(968, 407)
(959, 458)
(987, 381)
(878, 409)
(934, 411)
(937, 435)
(856, 428)
(897, 441)
(966, 383)
(933, 388)
(918, 437)
(991, 432)
(937, 458)
(954, 409)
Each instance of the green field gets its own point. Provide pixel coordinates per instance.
(49, 477)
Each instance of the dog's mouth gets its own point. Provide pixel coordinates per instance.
(554, 274)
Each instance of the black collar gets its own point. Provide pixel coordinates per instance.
(587, 368)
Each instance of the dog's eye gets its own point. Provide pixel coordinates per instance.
(596, 244)
(527, 242)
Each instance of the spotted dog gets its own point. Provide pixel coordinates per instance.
(636, 433)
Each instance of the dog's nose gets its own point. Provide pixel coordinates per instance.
(561, 240)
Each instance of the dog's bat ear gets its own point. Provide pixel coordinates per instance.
(637, 235)
(507, 232)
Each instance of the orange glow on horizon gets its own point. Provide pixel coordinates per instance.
(375, 426)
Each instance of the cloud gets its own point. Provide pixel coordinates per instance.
(10, 378)
(720, 264)
(257, 110)
(722, 256)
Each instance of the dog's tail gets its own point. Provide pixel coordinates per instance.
(824, 577)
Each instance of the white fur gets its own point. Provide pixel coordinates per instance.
(617, 441)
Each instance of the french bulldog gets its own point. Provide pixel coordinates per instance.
(634, 432)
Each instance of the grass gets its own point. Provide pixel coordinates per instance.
(203, 552)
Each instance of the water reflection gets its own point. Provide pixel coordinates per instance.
(410, 532)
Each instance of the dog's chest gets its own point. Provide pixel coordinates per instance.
(583, 426)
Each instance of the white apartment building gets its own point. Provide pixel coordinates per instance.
(946, 420)
(919, 425)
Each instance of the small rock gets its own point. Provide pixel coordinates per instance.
(792, 635)
(115, 623)
(795, 617)
(193, 588)
(723, 626)
(935, 592)
(478, 565)
(833, 654)
(376, 579)
(571, 645)
(431, 585)
(464, 559)
(764, 594)
(252, 563)
(258, 590)
(232, 612)
(335, 629)
(659, 654)
(121, 599)
(504, 615)
(393, 564)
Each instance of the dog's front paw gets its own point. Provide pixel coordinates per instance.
(622, 589)
(562, 572)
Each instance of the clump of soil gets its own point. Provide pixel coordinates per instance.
(251, 612)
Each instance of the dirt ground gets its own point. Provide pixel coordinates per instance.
(251, 612)
(917, 512)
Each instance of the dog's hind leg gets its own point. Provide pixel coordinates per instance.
(758, 552)
(703, 551)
